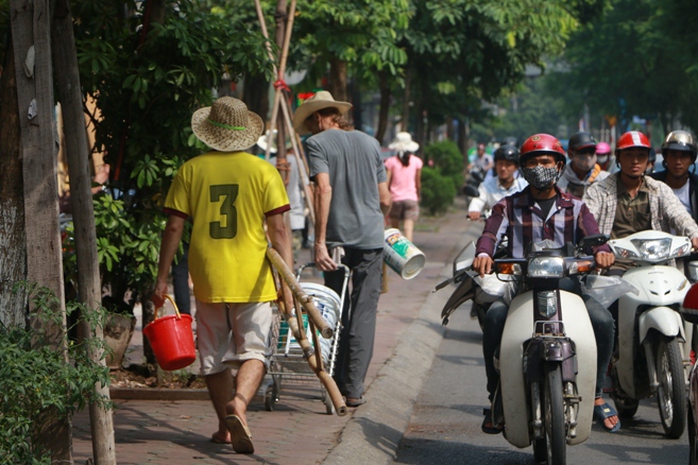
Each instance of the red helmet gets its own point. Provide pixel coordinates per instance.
(539, 144)
(633, 139)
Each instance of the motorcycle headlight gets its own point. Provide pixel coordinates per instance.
(653, 249)
(547, 303)
(546, 267)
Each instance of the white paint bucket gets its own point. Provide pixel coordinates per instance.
(402, 255)
(328, 303)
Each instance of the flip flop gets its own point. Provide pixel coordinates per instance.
(492, 428)
(354, 402)
(215, 440)
(601, 412)
(240, 435)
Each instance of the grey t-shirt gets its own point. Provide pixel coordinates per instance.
(353, 162)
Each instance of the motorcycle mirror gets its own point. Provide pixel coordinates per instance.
(477, 176)
(594, 240)
(471, 191)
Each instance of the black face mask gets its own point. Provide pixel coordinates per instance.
(540, 177)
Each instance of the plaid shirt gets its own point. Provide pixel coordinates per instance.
(519, 217)
(666, 209)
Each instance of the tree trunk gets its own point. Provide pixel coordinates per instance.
(89, 284)
(13, 259)
(405, 116)
(357, 109)
(338, 79)
(384, 108)
(281, 17)
(155, 14)
(30, 23)
(463, 139)
(256, 95)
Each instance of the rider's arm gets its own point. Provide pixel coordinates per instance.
(587, 226)
(495, 226)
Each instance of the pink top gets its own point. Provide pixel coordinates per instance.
(403, 185)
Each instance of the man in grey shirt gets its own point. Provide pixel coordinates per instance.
(351, 200)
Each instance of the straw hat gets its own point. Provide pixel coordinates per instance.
(227, 125)
(262, 141)
(317, 102)
(403, 143)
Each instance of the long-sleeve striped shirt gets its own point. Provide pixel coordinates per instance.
(521, 220)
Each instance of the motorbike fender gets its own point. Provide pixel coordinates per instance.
(664, 320)
(550, 350)
(515, 391)
(464, 292)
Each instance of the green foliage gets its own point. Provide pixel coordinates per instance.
(447, 159)
(438, 191)
(37, 384)
(146, 87)
(480, 48)
(442, 176)
(361, 33)
(636, 59)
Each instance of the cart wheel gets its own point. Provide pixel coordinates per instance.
(269, 399)
(329, 406)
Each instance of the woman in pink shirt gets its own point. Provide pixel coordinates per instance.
(404, 173)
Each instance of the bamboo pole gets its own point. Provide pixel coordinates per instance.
(295, 325)
(304, 299)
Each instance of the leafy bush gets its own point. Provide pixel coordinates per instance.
(447, 159)
(442, 175)
(37, 382)
(438, 191)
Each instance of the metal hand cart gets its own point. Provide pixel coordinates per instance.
(287, 361)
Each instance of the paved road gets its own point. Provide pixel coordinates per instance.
(445, 423)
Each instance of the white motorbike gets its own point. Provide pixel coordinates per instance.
(547, 358)
(650, 355)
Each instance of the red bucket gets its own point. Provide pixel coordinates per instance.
(172, 339)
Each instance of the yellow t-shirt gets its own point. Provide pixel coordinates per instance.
(228, 195)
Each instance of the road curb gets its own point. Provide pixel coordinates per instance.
(374, 432)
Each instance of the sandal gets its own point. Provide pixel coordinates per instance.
(240, 435)
(488, 427)
(354, 402)
(604, 411)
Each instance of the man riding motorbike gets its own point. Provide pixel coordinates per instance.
(679, 155)
(582, 170)
(543, 211)
(506, 163)
(628, 201)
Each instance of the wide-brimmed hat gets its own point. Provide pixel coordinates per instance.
(227, 125)
(403, 143)
(263, 139)
(317, 102)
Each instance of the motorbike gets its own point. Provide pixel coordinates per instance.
(475, 177)
(547, 359)
(470, 286)
(650, 357)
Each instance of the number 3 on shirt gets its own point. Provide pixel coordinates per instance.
(229, 192)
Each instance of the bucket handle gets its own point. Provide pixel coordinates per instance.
(167, 296)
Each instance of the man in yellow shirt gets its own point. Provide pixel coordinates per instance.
(228, 194)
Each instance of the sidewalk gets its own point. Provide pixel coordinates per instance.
(299, 431)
